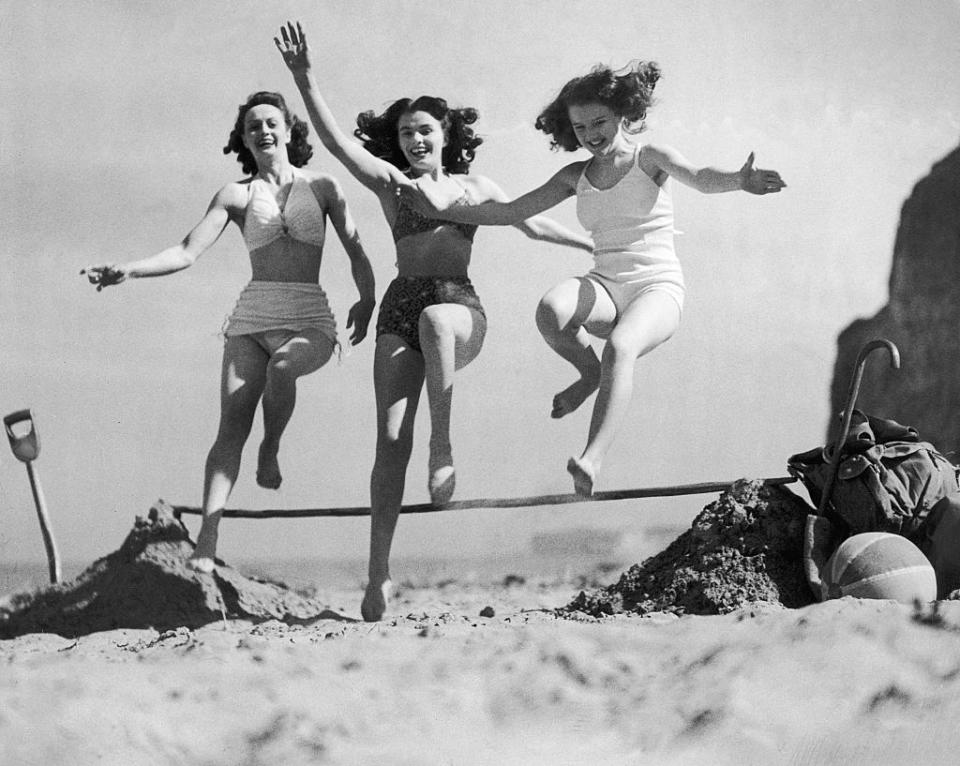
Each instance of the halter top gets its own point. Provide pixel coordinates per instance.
(301, 217)
(410, 222)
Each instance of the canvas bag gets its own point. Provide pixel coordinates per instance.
(888, 479)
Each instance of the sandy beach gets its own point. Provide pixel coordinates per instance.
(847, 681)
(502, 671)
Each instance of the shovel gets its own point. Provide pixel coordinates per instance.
(26, 448)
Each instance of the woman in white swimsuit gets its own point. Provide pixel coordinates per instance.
(633, 297)
(282, 326)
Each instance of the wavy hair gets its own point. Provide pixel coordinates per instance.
(299, 150)
(378, 132)
(628, 92)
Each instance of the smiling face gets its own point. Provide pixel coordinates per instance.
(265, 131)
(422, 139)
(596, 127)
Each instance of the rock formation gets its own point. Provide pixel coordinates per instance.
(146, 584)
(922, 317)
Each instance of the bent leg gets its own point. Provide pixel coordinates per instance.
(242, 378)
(302, 354)
(451, 336)
(564, 316)
(646, 323)
(397, 380)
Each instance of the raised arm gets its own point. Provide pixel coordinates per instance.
(178, 257)
(339, 214)
(377, 175)
(710, 180)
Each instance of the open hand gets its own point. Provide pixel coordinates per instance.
(757, 181)
(292, 45)
(358, 318)
(104, 276)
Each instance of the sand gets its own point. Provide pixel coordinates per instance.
(531, 682)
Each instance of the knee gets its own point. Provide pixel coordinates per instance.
(556, 313)
(621, 347)
(393, 450)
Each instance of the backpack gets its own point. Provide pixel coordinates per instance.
(888, 479)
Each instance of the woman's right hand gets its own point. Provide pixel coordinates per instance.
(292, 45)
(104, 276)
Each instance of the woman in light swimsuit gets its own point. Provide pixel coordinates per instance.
(633, 297)
(282, 326)
(431, 322)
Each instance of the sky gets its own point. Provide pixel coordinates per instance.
(114, 117)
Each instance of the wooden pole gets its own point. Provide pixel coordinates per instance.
(511, 502)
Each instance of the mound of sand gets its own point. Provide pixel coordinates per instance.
(146, 584)
(745, 547)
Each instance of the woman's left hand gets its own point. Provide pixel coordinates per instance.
(359, 318)
(758, 181)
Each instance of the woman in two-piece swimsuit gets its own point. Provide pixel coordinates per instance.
(431, 322)
(282, 327)
(634, 295)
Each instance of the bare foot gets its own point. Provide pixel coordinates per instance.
(583, 474)
(268, 469)
(203, 564)
(573, 396)
(442, 480)
(375, 600)
(204, 554)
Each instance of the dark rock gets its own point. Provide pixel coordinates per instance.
(921, 317)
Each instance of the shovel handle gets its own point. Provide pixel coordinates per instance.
(26, 447)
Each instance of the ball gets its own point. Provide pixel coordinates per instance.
(879, 565)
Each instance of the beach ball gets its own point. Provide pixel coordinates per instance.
(879, 565)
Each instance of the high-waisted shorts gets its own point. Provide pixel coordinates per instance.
(407, 297)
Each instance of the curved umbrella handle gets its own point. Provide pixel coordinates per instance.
(852, 394)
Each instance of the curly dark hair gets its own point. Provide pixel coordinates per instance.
(378, 132)
(299, 150)
(628, 92)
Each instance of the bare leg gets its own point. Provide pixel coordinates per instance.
(646, 323)
(397, 379)
(306, 352)
(451, 336)
(561, 315)
(242, 378)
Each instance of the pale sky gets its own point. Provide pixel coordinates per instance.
(114, 118)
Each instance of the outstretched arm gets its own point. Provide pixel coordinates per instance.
(711, 180)
(175, 258)
(339, 213)
(427, 197)
(540, 227)
(377, 175)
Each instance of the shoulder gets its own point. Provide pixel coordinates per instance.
(570, 174)
(480, 187)
(233, 194)
(320, 181)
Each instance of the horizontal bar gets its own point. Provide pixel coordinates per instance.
(510, 502)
